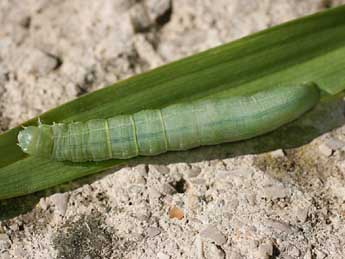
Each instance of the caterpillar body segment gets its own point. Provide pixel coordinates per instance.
(180, 126)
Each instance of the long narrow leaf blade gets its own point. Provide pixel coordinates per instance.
(308, 49)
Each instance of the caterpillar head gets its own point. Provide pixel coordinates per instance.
(36, 140)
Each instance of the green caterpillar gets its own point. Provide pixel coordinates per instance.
(177, 127)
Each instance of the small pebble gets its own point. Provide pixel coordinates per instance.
(212, 251)
(90, 77)
(251, 198)
(235, 255)
(232, 204)
(153, 231)
(223, 174)
(335, 144)
(157, 8)
(162, 169)
(15, 226)
(167, 189)
(213, 234)
(154, 193)
(176, 213)
(146, 51)
(140, 180)
(5, 255)
(279, 153)
(266, 249)
(19, 252)
(43, 204)
(141, 169)
(5, 242)
(193, 172)
(302, 214)
(161, 255)
(198, 247)
(217, 164)
(60, 201)
(41, 63)
(139, 18)
(198, 181)
(275, 192)
(245, 173)
(325, 150)
(2, 230)
(278, 225)
(308, 255)
(319, 254)
(252, 244)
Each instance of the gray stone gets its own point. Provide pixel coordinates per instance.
(335, 144)
(266, 249)
(319, 254)
(275, 192)
(161, 255)
(279, 226)
(193, 172)
(154, 194)
(232, 204)
(167, 189)
(161, 169)
(5, 242)
(223, 174)
(325, 150)
(60, 201)
(251, 198)
(302, 214)
(197, 181)
(198, 247)
(153, 231)
(234, 255)
(140, 18)
(211, 251)
(147, 52)
(140, 180)
(2, 229)
(39, 63)
(15, 226)
(157, 8)
(19, 252)
(245, 172)
(308, 254)
(43, 203)
(252, 244)
(5, 255)
(279, 153)
(142, 169)
(211, 233)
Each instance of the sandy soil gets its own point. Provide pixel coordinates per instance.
(282, 204)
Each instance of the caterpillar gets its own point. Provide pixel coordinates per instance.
(176, 127)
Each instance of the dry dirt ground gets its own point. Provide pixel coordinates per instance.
(282, 204)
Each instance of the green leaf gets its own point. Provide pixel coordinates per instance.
(307, 49)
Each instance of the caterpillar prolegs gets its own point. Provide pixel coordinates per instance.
(180, 126)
